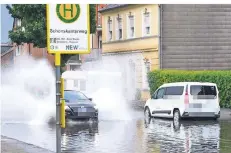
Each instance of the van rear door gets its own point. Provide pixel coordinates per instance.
(203, 97)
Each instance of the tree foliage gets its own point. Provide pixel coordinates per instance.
(33, 20)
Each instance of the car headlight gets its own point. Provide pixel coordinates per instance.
(96, 107)
(67, 108)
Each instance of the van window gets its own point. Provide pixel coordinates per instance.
(203, 92)
(76, 83)
(160, 93)
(82, 85)
(177, 90)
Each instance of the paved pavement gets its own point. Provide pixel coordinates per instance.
(9, 145)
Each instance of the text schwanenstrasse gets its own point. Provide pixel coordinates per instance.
(68, 31)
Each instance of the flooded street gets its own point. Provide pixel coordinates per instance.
(129, 136)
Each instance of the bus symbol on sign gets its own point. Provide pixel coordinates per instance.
(68, 13)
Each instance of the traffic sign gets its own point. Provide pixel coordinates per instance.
(68, 28)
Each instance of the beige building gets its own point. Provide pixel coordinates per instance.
(130, 36)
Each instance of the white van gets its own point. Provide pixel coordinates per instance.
(184, 99)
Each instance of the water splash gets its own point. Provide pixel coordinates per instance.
(108, 91)
(28, 92)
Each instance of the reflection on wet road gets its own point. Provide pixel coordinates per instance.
(130, 136)
(148, 136)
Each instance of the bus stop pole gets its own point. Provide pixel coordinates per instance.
(58, 94)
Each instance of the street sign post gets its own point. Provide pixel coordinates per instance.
(68, 28)
(68, 32)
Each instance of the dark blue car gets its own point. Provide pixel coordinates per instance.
(79, 106)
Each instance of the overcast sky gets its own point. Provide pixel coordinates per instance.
(6, 23)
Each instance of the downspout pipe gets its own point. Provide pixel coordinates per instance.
(159, 35)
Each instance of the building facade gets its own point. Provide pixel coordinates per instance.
(130, 36)
(196, 37)
(188, 37)
(37, 53)
(29, 49)
(7, 56)
(96, 38)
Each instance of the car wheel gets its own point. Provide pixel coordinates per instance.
(147, 113)
(176, 116)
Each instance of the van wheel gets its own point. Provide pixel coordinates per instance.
(176, 116)
(147, 113)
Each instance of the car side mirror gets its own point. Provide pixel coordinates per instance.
(153, 96)
(90, 99)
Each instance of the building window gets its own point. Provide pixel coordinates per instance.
(147, 69)
(119, 27)
(74, 67)
(65, 84)
(18, 51)
(99, 20)
(100, 44)
(146, 23)
(82, 85)
(76, 83)
(109, 24)
(131, 27)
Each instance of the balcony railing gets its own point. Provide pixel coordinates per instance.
(95, 54)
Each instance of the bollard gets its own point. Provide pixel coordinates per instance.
(62, 114)
(62, 103)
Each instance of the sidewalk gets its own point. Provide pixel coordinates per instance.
(9, 145)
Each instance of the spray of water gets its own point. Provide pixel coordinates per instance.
(28, 92)
(107, 90)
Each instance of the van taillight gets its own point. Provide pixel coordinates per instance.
(186, 98)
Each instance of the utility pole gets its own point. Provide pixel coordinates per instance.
(58, 110)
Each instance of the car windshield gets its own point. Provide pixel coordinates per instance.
(73, 96)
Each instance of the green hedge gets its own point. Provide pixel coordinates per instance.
(221, 78)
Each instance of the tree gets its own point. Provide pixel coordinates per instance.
(33, 20)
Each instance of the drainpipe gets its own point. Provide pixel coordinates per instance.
(159, 35)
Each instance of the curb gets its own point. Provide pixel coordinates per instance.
(10, 145)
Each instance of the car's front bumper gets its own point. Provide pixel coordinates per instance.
(81, 115)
